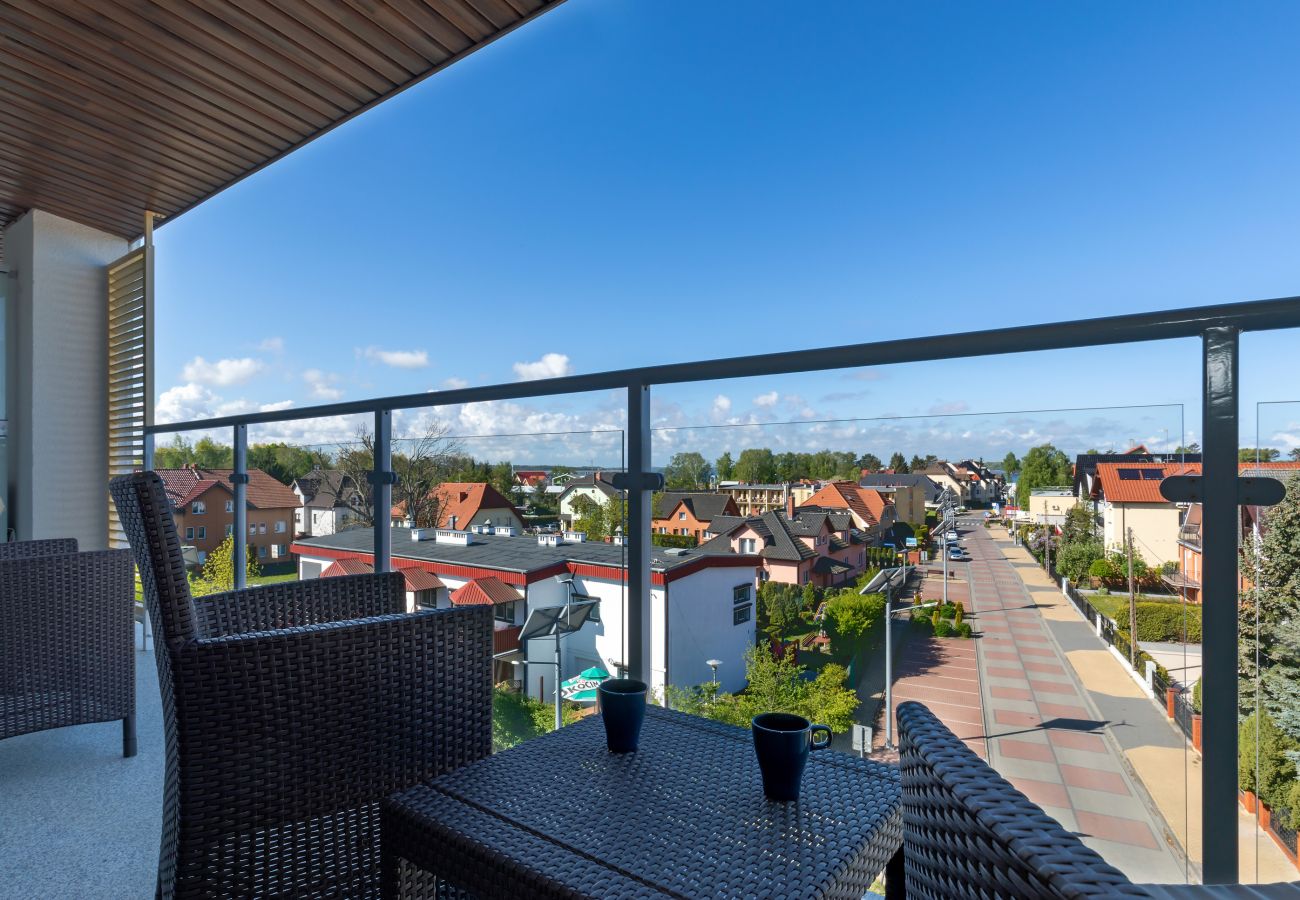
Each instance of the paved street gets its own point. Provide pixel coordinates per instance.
(1060, 744)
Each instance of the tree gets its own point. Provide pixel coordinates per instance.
(756, 466)
(1261, 739)
(1188, 448)
(869, 462)
(898, 463)
(205, 453)
(849, 614)
(1042, 466)
(285, 462)
(218, 573)
(1010, 464)
(1295, 454)
(917, 463)
(1260, 454)
(687, 472)
(1272, 563)
(725, 467)
(421, 463)
(779, 604)
(502, 477)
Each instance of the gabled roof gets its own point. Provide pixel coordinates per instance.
(420, 580)
(601, 481)
(347, 567)
(867, 505)
(263, 491)
(325, 488)
(1137, 482)
(416, 579)
(914, 479)
(464, 500)
(703, 505)
(779, 536)
(484, 591)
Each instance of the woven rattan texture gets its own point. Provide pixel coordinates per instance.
(66, 637)
(281, 741)
(684, 816)
(969, 833)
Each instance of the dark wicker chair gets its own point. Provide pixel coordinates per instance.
(291, 710)
(968, 833)
(66, 638)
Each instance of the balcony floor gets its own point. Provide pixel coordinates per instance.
(79, 820)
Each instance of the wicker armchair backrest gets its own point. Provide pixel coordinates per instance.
(968, 833)
(33, 549)
(146, 517)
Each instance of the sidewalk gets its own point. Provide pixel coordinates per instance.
(1047, 733)
(1164, 765)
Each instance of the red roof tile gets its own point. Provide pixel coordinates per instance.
(420, 580)
(866, 503)
(1140, 482)
(464, 500)
(347, 567)
(484, 592)
(264, 492)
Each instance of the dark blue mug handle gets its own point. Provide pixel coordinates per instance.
(812, 737)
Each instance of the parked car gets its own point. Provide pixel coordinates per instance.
(955, 553)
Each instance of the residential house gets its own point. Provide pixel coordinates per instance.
(811, 546)
(1085, 464)
(203, 505)
(690, 513)
(873, 514)
(465, 505)
(948, 480)
(1187, 580)
(1127, 496)
(700, 605)
(598, 487)
(1049, 506)
(986, 486)
(756, 499)
(328, 500)
(910, 493)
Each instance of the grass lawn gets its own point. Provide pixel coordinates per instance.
(252, 582)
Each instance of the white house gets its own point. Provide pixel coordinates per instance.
(597, 487)
(323, 502)
(701, 605)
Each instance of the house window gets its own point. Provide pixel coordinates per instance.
(252, 529)
(230, 506)
(203, 532)
(748, 545)
(504, 612)
(189, 534)
(261, 552)
(261, 528)
(742, 604)
(284, 549)
(681, 516)
(230, 529)
(198, 507)
(279, 527)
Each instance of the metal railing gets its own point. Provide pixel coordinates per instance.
(1217, 327)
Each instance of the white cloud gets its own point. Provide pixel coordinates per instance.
(721, 405)
(276, 406)
(454, 384)
(184, 402)
(272, 345)
(768, 400)
(223, 372)
(551, 365)
(321, 384)
(951, 407)
(398, 359)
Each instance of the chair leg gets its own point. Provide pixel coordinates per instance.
(128, 736)
(895, 878)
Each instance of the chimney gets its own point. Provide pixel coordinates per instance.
(789, 503)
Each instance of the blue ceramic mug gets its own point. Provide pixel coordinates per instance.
(782, 742)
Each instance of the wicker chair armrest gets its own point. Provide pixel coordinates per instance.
(289, 724)
(294, 604)
(91, 588)
(42, 547)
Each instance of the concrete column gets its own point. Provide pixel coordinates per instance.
(56, 367)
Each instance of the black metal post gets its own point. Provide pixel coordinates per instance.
(1219, 607)
(239, 481)
(382, 490)
(637, 539)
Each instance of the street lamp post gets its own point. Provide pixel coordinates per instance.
(713, 664)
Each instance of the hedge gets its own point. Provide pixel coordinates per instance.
(1165, 622)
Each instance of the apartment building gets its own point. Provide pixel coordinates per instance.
(911, 493)
(756, 499)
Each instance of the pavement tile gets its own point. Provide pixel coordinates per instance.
(1052, 687)
(1044, 668)
(1094, 779)
(1012, 717)
(1044, 793)
(1062, 711)
(1025, 750)
(1076, 740)
(1117, 829)
(1006, 672)
(1004, 655)
(1010, 693)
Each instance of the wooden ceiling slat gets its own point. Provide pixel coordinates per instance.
(100, 56)
(148, 163)
(243, 70)
(117, 107)
(184, 71)
(193, 113)
(79, 156)
(284, 37)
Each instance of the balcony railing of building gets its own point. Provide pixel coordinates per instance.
(1217, 327)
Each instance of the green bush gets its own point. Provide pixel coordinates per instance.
(1196, 696)
(674, 540)
(963, 629)
(1166, 622)
(1273, 781)
(943, 629)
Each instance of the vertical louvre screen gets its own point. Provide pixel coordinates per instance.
(130, 393)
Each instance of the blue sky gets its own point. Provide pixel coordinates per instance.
(625, 183)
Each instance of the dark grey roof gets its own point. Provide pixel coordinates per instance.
(884, 479)
(772, 527)
(602, 481)
(704, 505)
(324, 488)
(488, 551)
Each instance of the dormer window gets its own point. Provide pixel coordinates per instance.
(198, 507)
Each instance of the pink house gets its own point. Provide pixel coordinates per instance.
(814, 546)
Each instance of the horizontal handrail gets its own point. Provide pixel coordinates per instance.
(1256, 315)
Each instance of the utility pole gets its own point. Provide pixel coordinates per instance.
(1132, 605)
(1048, 547)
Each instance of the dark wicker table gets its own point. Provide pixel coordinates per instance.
(684, 816)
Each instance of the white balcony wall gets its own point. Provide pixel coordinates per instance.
(56, 359)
